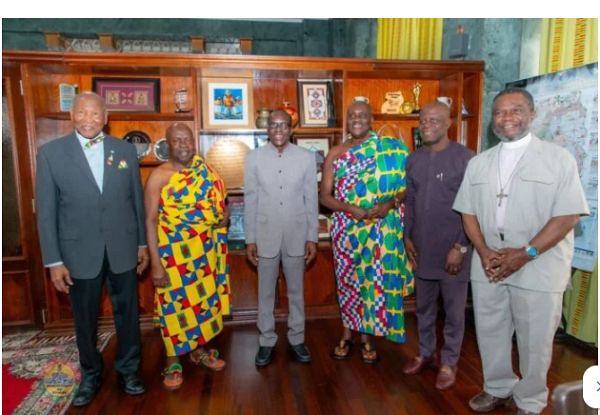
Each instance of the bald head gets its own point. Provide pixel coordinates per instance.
(178, 126)
(441, 107)
(358, 120)
(89, 96)
(88, 114)
(180, 140)
(280, 113)
(362, 105)
(434, 122)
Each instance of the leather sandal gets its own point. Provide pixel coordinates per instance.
(343, 344)
(173, 376)
(366, 348)
(209, 360)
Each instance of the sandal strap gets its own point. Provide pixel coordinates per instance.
(212, 354)
(346, 343)
(174, 368)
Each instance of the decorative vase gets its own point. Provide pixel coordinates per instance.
(262, 119)
(292, 111)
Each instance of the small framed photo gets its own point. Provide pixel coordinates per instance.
(227, 103)
(129, 94)
(316, 104)
(317, 143)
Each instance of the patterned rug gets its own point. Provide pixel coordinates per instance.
(29, 356)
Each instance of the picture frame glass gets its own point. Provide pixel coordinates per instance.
(228, 104)
(314, 104)
(129, 94)
(320, 146)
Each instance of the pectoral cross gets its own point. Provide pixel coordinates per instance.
(500, 196)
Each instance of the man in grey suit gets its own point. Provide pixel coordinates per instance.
(91, 226)
(281, 225)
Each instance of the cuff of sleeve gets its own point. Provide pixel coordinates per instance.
(143, 246)
(54, 264)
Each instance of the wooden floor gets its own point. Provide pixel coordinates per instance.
(325, 386)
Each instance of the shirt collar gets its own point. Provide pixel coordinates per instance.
(523, 142)
(275, 150)
(83, 141)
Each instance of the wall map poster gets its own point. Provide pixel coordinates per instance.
(567, 114)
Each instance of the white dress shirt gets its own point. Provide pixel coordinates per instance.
(94, 156)
(509, 156)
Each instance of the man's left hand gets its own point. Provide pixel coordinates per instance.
(225, 221)
(454, 261)
(311, 252)
(143, 259)
(511, 261)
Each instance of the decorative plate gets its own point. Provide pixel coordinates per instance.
(161, 150)
(141, 141)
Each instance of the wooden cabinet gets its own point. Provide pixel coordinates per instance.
(273, 80)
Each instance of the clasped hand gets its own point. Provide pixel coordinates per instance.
(378, 211)
(501, 264)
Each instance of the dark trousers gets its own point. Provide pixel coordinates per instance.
(85, 298)
(454, 297)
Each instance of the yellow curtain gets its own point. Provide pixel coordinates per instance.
(409, 39)
(567, 43)
(580, 306)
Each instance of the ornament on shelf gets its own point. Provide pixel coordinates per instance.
(292, 111)
(393, 103)
(262, 118)
(417, 94)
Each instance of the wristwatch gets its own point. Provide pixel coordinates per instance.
(460, 248)
(531, 251)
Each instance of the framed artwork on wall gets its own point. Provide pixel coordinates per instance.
(316, 104)
(227, 103)
(317, 143)
(129, 94)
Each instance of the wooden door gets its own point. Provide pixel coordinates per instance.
(22, 281)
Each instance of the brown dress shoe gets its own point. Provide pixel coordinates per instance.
(445, 378)
(484, 402)
(416, 365)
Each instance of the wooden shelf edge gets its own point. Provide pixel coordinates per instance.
(125, 116)
(263, 131)
(395, 117)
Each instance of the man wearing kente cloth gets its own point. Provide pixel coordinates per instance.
(186, 223)
(364, 184)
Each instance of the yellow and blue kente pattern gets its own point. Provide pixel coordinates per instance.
(193, 252)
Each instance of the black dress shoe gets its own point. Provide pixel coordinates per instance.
(263, 357)
(301, 352)
(132, 383)
(87, 392)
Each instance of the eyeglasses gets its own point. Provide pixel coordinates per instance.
(432, 121)
(282, 125)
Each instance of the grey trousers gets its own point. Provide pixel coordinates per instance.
(500, 310)
(268, 271)
(454, 297)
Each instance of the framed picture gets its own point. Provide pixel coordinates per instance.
(236, 219)
(129, 94)
(317, 143)
(227, 103)
(416, 137)
(316, 104)
(324, 225)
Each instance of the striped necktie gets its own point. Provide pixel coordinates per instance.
(93, 142)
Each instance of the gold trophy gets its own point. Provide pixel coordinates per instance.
(417, 92)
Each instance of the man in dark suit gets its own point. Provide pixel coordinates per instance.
(91, 226)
